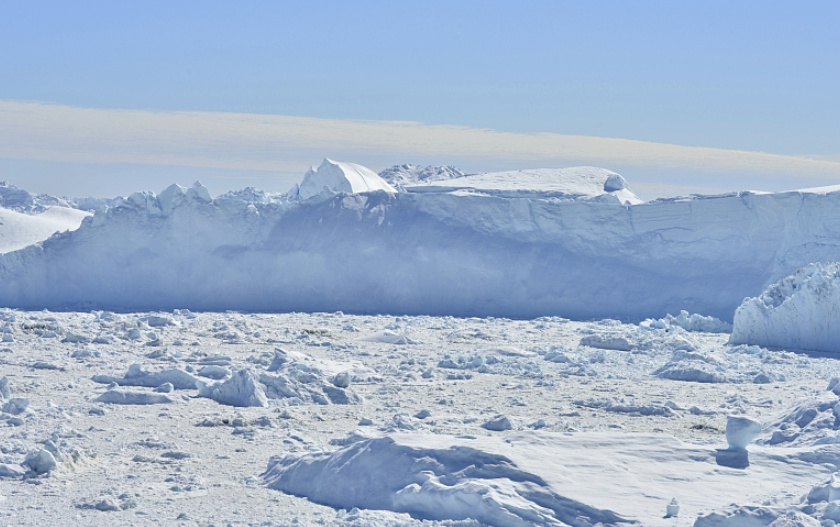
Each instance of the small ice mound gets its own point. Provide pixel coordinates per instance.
(136, 376)
(40, 461)
(117, 396)
(242, 389)
(672, 509)
(691, 370)
(690, 322)
(387, 337)
(800, 312)
(451, 482)
(500, 423)
(607, 341)
(740, 431)
(334, 177)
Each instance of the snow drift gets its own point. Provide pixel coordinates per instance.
(453, 483)
(532, 478)
(800, 312)
(570, 242)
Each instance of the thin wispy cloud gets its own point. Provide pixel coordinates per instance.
(56, 133)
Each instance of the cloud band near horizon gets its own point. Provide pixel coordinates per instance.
(57, 133)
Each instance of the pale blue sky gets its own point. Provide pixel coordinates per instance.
(759, 76)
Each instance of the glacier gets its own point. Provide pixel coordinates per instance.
(572, 242)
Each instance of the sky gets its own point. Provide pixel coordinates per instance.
(106, 98)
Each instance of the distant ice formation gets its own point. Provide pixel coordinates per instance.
(800, 312)
(333, 177)
(573, 242)
(406, 175)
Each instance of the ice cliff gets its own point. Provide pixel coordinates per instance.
(571, 242)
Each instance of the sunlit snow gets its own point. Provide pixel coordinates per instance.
(421, 348)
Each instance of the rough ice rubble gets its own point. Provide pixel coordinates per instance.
(800, 312)
(136, 376)
(690, 322)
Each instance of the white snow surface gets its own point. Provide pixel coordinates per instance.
(517, 247)
(336, 177)
(18, 230)
(403, 175)
(569, 183)
(800, 312)
(367, 432)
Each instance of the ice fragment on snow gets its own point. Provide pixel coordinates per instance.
(242, 389)
(40, 461)
(500, 423)
(672, 509)
(607, 342)
(116, 396)
(740, 431)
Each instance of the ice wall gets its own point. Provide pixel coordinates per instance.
(800, 312)
(444, 252)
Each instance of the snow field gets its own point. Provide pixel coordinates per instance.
(591, 429)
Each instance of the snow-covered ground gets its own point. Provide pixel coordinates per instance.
(383, 420)
(672, 417)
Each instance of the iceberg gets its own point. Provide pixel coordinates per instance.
(799, 312)
(572, 242)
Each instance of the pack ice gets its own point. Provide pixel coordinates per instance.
(574, 242)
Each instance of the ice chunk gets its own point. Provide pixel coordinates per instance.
(242, 389)
(335, 177)
(500, 423)
(800, 312)
(116, 396)
(690, 322)
(40, 461)
(136, 376)
(740, 431)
